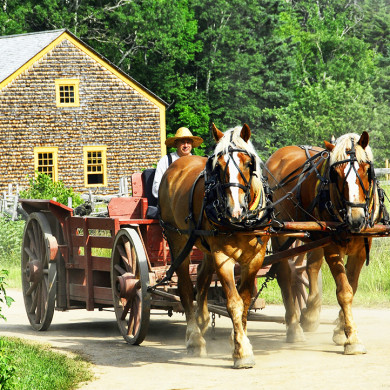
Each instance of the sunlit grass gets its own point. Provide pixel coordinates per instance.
(38, 367)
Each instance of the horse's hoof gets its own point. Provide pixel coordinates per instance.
(354, 349)
(339, 338)
(295, 334)
(245, 362)
(309, 324)
(197, 352)
(196, 346)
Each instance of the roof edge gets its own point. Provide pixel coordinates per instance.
(65, 33)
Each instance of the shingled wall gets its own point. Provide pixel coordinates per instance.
(111, 113)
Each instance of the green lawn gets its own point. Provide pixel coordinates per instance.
(36, 366)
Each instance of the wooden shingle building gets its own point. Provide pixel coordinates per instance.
(67, 111)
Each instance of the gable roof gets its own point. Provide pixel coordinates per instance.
(20, 51)
(16, 50)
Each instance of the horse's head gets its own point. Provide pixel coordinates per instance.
(239, 172)
(352, 178)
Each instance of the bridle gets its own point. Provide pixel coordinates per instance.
(215, 192)
(368, 194)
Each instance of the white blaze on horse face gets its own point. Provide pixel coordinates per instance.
(233, 179)
(351, 180)
(354, 214)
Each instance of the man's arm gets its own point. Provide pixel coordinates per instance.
(162, 166)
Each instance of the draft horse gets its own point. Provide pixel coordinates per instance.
(335, 184)
(207, 201)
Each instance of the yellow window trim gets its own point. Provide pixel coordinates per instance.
(67, 82)
(53, 150)
(102, 149)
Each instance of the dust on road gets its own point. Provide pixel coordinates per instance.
(161, 362)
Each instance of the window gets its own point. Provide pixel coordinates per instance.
(95, 172)
(67, 92)
(45, 161)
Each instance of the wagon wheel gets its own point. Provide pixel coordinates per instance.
(129, 281)
(300, 281)
(39, 271)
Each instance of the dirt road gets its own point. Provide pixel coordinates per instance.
(161, 361)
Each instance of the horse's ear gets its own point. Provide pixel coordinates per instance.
(329, 147)
(216, 133)
(245, 132)
(363, 141)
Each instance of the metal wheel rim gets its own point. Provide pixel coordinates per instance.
(39, 295)
(135, 325)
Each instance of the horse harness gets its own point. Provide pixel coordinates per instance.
(214, 208)
(334, 202)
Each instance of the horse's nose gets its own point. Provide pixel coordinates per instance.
(237, 213)
(356, 223)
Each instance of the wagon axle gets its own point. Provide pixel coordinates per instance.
(126, 286)
(34, 271)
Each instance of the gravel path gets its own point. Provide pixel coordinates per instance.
(161, 361)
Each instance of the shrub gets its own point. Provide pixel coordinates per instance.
(4, 298)
(7, 369)
(43, 187)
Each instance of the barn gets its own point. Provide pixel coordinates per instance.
(67, 111)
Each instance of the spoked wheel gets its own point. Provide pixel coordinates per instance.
(129, 281)
(39, 272)
(300, 281)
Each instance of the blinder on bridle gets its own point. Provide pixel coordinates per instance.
(215, 191)
(333, 175)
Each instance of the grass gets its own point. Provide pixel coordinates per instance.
(38, 367)
(11, 234)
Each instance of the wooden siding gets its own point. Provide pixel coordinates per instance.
(111, 113)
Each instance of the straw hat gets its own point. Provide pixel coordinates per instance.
(181, 133)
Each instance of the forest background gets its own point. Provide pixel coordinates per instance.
(297, 72)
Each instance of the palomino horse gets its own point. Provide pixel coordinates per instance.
(334, 184)
(206, 201)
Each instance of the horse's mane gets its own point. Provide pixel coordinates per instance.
(343, 143)
(233, 137)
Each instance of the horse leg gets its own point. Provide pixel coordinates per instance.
(310, 316)
(352, 344)
(242, 352)
(294, 331)
(345, 292)
(195, 343)
(205, 275)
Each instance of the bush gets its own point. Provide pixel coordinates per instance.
(43, 187)
(7, 369)
(4, 298)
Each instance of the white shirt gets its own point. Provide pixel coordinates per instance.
(162, 166)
